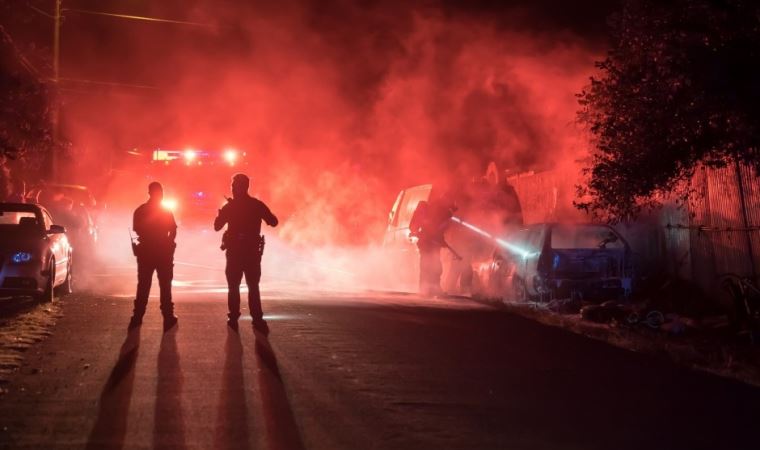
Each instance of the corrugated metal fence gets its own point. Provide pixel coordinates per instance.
(719, 231)
(546, 196)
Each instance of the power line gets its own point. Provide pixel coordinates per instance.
(108, 83)
(44, 13)
(143, 18)
(74, 92)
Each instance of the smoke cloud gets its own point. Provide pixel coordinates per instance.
(338, 108)
(339, 105)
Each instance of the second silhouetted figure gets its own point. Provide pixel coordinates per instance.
(244, 245)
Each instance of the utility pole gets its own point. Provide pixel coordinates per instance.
(55, 111)
(56, 107)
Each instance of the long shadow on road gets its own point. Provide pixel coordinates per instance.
(281, 428)
(232, 414)
(169, 428)
(111, 425)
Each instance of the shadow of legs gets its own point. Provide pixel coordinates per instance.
(282, 430)
(232, 415)
(169, 428)
(111, 425)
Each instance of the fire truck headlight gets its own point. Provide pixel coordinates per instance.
(189, 155)
(230, 156)
(169, 203)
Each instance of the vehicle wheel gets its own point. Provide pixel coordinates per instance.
(47, 294)
(66, 288)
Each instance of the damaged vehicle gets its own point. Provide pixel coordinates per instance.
(35, 255)
(556, 261)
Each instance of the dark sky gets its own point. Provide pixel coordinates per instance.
(96, 46)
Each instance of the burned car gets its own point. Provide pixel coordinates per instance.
(553, 260)
(35, 255)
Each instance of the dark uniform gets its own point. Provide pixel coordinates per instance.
(156, 230)
(245, 246)
(428, 224)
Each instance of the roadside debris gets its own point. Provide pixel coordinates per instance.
(670, 319)
(22, 331)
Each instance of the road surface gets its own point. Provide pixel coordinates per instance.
(354, 371)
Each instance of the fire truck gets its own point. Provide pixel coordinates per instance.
(196, 181)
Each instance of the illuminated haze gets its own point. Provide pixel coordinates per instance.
(339, 107)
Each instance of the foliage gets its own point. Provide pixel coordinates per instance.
(25, 130)
(678, 88)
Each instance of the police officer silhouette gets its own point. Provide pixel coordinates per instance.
(244, 247)
(156, 230)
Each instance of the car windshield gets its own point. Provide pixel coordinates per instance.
(17, 218)
(574, 237)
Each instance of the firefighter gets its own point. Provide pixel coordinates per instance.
(428, 223)
(244, 247)
(156, 230)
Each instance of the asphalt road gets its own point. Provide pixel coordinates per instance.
(355, 371)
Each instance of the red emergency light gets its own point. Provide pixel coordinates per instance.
(196, 157)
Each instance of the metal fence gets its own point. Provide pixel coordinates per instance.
(719, 230)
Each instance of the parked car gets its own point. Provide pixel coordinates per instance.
(554, 260)
(80, 195)
(72, 206)
(35, 255)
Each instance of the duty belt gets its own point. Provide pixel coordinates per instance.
(230, 240)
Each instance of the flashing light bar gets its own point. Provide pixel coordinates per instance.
(193, 156)
(165, 155)
(515, 249)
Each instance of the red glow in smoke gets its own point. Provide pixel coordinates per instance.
(335, 125)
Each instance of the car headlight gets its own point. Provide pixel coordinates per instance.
(21, 257)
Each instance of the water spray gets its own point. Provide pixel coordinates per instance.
(512, 248)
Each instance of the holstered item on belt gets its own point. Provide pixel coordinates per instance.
(242, 241)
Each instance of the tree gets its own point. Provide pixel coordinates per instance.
(25, 126)
(678, 88)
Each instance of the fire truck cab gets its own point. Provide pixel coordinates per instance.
(196, 181)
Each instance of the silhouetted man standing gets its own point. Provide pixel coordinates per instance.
(244, 244)
(156, 230)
